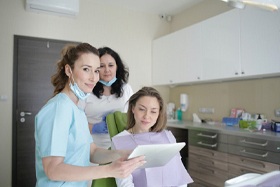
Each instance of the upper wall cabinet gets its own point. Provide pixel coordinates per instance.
(237, 44)
(220, 46)
(260, 42)
(167, 54)
(192, 65)
(177, 57)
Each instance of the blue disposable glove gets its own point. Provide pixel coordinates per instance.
(100, 128)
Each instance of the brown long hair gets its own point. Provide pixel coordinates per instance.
(69, 54)
(152, 92)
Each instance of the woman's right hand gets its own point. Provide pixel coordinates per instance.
(122, 168)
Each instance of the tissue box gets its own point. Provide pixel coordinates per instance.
(230, 121)
(247, 124)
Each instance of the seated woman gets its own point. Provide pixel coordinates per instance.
(146, 125)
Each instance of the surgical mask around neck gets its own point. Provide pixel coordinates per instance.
(76, 90)
(108, 83)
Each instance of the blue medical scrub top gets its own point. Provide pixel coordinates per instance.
(61, 129)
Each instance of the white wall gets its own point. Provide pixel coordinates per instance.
(128, 32)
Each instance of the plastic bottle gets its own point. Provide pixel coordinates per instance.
(179, 114)
(259, 122)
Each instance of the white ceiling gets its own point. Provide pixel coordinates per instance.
(167, 7)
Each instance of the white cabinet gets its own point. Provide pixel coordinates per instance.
(192, 55)
(260, 42)
(237, 44)
(161, 61)
(167, 55)
(220, 46)
(177, 57)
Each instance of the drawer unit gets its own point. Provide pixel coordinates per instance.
(239, 165)
(208, 166)
(258, 154)
(207, 139)
(215, 156)
(256, 148)
(252, 155)
(207, 158)
(257, 143)
(206, 153)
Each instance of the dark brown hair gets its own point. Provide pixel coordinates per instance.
(122, 74)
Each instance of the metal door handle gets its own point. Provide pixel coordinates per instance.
(22, 114)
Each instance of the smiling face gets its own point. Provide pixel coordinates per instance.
(86, 71)
(108, 68)
(146, 112)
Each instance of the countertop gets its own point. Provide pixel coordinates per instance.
(222, 128)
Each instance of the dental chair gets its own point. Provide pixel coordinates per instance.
(271, 179)
(116, 123)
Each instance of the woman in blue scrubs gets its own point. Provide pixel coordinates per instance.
(64, 146)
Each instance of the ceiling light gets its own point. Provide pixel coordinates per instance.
(262, 4)
(236, 4)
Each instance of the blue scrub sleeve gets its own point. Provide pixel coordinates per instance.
(53, 126)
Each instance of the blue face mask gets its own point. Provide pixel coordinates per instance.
(77, 91)
(108, 83)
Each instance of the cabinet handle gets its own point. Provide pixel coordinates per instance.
(208, 136)
(244, 171)
(207, 145)
(208, 170)
(203, 160)
(254, 143)
(251, 163)
(254, 154)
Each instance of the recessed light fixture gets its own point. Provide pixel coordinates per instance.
(271, 5)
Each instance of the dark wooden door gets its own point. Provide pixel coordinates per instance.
(34, 64)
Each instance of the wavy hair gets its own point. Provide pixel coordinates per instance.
(122, 74)
(151, 92)
(69, 54)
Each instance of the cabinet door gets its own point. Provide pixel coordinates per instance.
(208, 166)
(260, 42)
(168, 59)
(161, 61)
(220, 46)
(192, 55)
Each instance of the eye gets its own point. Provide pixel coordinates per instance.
(141, 109)
(86, 69)
(97, 71)
(111, 65)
